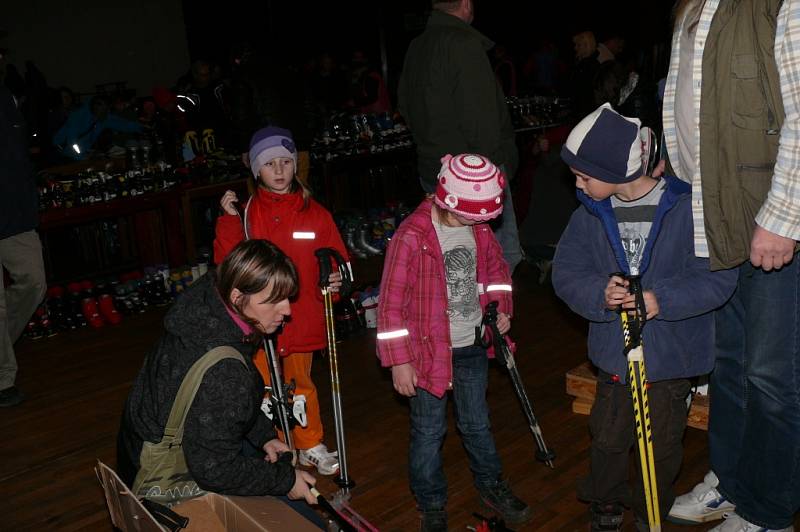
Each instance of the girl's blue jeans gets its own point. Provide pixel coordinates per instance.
(429, 426)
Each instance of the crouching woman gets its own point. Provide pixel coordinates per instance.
(224, 431)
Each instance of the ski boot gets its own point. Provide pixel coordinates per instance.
(364, 234)
(349, 234)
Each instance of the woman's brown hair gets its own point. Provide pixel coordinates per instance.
(250, 267)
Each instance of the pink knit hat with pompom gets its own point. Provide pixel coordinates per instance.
(471, 186)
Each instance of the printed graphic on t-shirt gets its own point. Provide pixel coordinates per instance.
(462, 291)
(633, 243)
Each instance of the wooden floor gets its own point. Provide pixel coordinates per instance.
(76, 384)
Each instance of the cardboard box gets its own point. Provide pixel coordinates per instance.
(209, 513)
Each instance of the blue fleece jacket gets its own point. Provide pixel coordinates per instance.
(679, 341)
(82, 128)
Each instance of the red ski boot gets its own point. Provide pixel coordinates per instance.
(107, 310)
(89, 306)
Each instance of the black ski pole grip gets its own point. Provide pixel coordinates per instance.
(636, 290)
(327, 259)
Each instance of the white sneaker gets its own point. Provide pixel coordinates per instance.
(704, 503)
(326, 462)
(735, 523)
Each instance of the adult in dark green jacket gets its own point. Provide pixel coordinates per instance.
(450, 98)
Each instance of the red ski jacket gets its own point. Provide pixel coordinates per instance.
(298, 232)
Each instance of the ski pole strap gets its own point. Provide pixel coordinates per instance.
(329, 258)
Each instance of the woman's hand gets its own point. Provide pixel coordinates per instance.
(273, 449)
(303, 481)
(335, 281)
(227, 201)
(404, 379)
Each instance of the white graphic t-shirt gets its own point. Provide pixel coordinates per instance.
(460, 268)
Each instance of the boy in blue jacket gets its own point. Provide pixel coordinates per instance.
(633, 223)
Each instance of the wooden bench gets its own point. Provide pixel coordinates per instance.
(582, 382)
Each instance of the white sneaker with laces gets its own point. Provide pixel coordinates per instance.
(735, 523)
(704, 503)
(326, 462)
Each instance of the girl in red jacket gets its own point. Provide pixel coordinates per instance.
(283, 212)
(442, 268)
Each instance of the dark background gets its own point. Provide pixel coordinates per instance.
(297, 31)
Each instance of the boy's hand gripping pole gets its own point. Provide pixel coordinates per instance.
(637, 377)
(329, 258)
(504, 354)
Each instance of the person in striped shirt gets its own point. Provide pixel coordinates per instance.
(732, 129)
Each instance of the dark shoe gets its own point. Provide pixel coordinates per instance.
(11, 397)
(500, 499)
(607, 517)
(433, 521)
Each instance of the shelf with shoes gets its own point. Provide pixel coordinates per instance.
(100, 222)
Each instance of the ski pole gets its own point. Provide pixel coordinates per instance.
(637, 378)
(278, 390)
(324, 257)
(502, 351)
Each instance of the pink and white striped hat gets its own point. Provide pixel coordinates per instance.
(471, 186)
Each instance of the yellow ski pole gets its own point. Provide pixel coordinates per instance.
(637, 379)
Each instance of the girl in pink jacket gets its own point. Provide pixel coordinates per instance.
(442, 268)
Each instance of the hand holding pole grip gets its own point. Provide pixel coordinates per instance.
(329, 258)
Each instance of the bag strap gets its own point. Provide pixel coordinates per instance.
(173, 432)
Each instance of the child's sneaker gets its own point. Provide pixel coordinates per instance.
(735, 523)
(607, 517)
(704, 503)
(326, 462)
(433, 521)
(500, 499)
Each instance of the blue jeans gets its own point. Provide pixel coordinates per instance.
(429, 425)
(754, 425)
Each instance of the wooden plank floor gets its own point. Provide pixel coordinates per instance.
(77, 382)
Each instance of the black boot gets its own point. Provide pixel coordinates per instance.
(433, 521)
(500, 499)
(606, 517)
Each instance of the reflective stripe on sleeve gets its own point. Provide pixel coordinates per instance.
(392, 334)
(304, 235)
(499, 288)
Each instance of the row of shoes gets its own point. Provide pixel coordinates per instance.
(368, 234)
(106, 301)
(80, 304)
(347, 135)
(91, 187)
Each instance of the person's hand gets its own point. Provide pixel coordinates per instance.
(650, 303)
(769, 251)
(503, 322)
(335, 281)
(273, 449)
(227, 201)
(660, 168)
(404, 379)
(303, 481)
(616, 290)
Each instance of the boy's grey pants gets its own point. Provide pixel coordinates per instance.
(21, 255)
